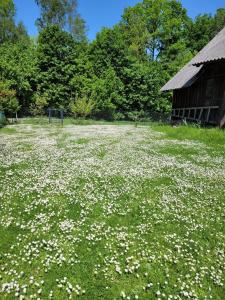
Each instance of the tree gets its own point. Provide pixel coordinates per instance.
(200, 32)
(38, 105)
(77, 28)
(53, 12)
(107, 93)
(175, 57)
(153, 25)
(18, 68)
(142, 88)
(9, 31)
(204, 28)
(7, 25)
(56, 54)
(8, 101)
(62, 13)
(219, 20)
(135, 32)
(109, 50)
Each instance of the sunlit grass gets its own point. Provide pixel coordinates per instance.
(111, 212)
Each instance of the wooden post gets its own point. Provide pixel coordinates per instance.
(200, 115)
(195, 113)
(208, 114)
(189, 113)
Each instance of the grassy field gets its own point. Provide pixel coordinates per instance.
(111, 212)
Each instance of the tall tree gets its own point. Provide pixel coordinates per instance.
(219, 20)
(9, 31)
(7, 25)
(200, 32)
(109, 50)
(53, 12)
(18, 68)
(153, 25)
(64, 14)
(77, 28)
(56, 54)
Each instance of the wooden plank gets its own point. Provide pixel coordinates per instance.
(208, 114)
(189, 113)
(195, 114)
(200, 115)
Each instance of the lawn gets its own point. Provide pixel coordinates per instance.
(109, 211)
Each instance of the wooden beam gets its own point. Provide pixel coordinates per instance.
(208, 114)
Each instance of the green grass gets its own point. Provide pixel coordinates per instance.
(212, 136)
(82, 141)
(72, 121)
(7, 130)
(111, 212)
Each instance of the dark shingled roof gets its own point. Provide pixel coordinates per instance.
(213, 51)
(183, 79)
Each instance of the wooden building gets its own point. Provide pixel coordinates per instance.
(199, 87)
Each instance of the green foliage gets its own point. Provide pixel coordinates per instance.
(109, 50)
(62, 13)
(116, 76)
(151, 26)
(7, 25)
(9, 31)
(142, 88)
(18, 65)
(108, 94)
(204, 28)
(54, 12)
(55, 65)
(219, 20)
(200, 32)
(37, 108)
(77, 28)
(175, 57)
(135, 115)
(82, 107)
(8, 101)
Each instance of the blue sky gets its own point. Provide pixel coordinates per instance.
(99, 13)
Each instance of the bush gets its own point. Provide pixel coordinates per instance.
(118, 116)
(135, 115)
(8, 101)
(82, 107)
(39, 104)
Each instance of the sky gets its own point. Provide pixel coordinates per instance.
(100, 13)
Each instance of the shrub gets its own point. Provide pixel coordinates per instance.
(82, 107)
(135, 115)
(118, 116)
(39, 104)
(8, 101)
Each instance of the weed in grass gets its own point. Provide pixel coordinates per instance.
(82, 141)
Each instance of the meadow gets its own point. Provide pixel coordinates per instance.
(111, 211)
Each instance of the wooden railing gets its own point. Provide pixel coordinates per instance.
(195, 113)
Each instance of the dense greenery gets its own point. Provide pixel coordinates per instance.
(116, 76)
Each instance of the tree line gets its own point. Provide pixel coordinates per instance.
(116, 76)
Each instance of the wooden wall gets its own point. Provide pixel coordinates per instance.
(208, 90)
